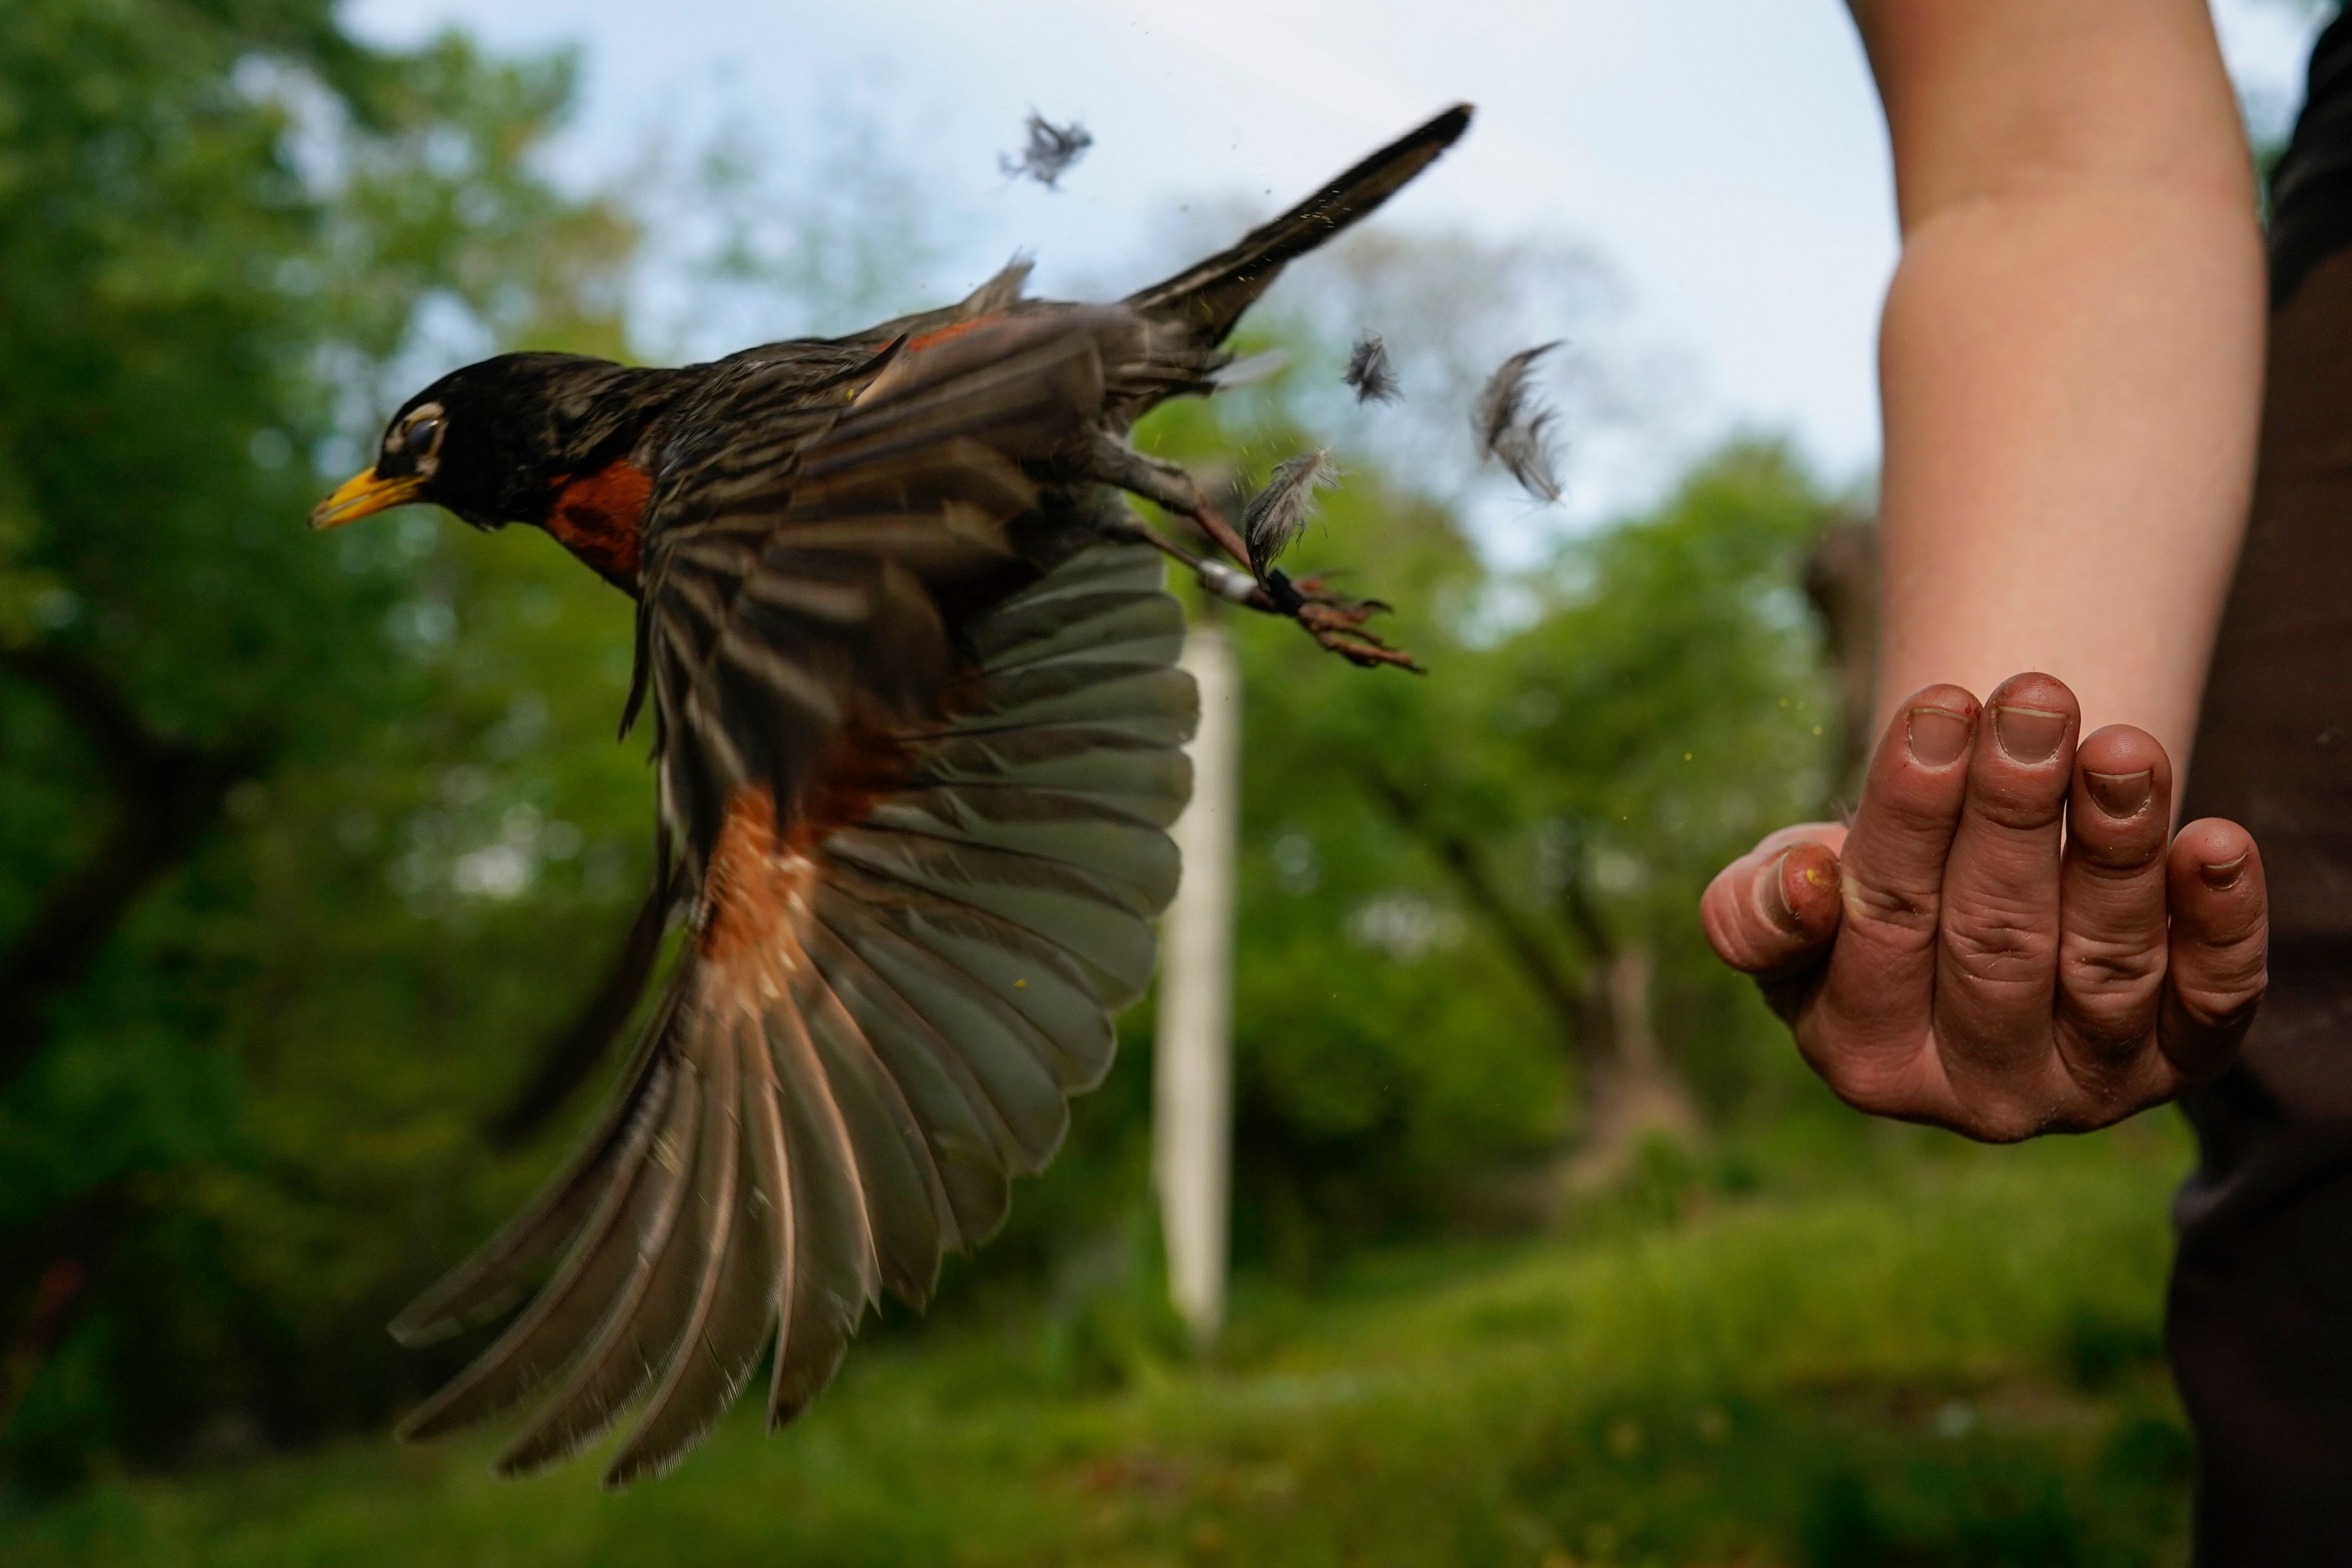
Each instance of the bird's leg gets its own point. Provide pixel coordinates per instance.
(1334, 623)
(1340, 628)
(1166, 486)
(1220, 579)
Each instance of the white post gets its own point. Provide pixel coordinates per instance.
(1193, 1077)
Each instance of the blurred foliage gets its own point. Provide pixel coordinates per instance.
(1938, 1358)
(400, 840)
(219, 227)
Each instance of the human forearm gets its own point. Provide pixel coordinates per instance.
(2011, 939)
(2070, 358)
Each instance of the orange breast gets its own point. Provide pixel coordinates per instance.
(601, 518)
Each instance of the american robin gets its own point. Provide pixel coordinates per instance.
(916, 731)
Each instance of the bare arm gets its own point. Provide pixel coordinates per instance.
(2010, 939)
(2071, 354)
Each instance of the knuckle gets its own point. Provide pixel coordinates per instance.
(2115, 1075)
(1868, 1093)
(1866, 1080)
(2238, 966)
(2084, 1119)
(2107, 1034)
(2089, 962)
(2013, 1118)
(1856, 1090)
(2223, 1004)
(2002, 1126)
(1999, 943)
(2104, 1044)
(1898, 911)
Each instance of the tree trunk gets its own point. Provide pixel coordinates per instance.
(1631, 1091)
(166, 796)
(1602, 1015)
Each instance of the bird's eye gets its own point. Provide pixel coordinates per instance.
(424, 432)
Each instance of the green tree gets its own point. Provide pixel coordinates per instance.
(220, 225)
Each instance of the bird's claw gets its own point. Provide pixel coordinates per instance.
(1318, 593)
(1340, 629)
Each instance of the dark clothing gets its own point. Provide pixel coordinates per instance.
(2311, 189)
(2261, 1312)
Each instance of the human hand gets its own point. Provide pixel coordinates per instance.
(2003, 944)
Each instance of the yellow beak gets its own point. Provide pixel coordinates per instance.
(364, 495)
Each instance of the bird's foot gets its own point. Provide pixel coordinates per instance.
(1317, 590)
(1337, 622)
(1355, 645)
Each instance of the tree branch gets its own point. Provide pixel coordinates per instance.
(1563, 995)
(168, 794)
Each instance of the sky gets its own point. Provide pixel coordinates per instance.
(1725, 159)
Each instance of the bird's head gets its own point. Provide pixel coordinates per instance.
(491, 442)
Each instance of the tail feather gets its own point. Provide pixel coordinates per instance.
(1211, 296)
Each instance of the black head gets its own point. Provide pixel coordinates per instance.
(492, 441)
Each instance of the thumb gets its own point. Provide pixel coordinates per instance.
(1775, 910)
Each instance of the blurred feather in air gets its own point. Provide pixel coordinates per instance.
(1051, 151)
(1515, 429)
(1370, 372)
(1004, 290)
(1250, 370)
(1278, 514)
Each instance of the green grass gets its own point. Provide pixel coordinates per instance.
(1953, 1360)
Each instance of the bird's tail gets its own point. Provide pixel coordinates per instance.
(1211, 296)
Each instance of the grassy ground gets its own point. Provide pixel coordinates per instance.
(1953, 1360)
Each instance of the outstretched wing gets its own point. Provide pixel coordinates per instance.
(927, 814)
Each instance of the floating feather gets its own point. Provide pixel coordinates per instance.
(1050, 151)
(1370, 372)
(1004, 290)
(1249, 370)
(1278, 514)
(1514, 431)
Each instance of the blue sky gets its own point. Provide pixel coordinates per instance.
(1724, 158)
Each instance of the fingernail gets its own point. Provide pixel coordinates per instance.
(2120, 795)
(1776, 897)
(2028, 734)
(2225, 874)
(1938, 736)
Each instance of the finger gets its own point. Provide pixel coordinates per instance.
(2111, 940)
(1774, 910)
(2220, 946)
(1869, 1027)
(1997, 959)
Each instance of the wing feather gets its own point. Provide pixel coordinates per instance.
(922, 780)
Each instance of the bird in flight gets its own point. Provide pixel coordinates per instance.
(916, 727)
